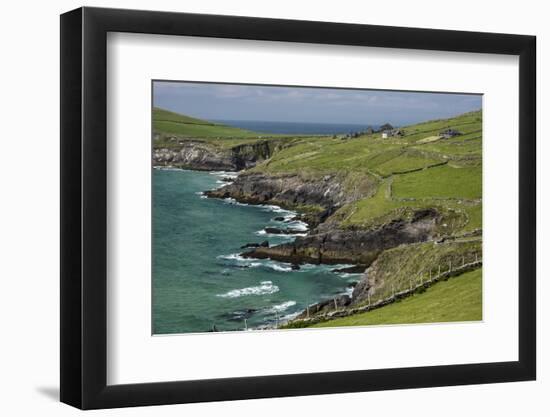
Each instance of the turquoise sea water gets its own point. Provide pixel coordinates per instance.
(199, 281)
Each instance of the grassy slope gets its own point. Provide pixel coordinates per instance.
(458, 299)
(167, 123)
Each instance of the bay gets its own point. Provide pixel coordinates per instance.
(201, 283)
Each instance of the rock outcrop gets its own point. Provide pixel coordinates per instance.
(352, 246)
(290, 190)
(200, 155)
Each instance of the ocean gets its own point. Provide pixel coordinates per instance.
(199, 280)
(297, 128)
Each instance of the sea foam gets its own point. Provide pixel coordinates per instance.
(265, 287)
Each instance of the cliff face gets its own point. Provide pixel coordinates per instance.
(199, 155)
(285, 190)
(352, 246)
(327, 242)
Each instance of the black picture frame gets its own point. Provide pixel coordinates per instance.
(84, 207)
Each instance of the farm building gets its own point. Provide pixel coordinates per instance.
(449, 133)
(392, 133)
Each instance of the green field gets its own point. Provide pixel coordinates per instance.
(440, 182)
(167, 124)
(457, 299)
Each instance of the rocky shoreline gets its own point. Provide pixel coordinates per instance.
(316, 199)
(201, 156)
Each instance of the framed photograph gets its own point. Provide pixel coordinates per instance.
(258, 208)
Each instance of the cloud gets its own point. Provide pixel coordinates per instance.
(272, 103)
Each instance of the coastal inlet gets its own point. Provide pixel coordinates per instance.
(200, 280)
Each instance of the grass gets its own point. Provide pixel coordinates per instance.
(440, 182)
(171, 123)
(398, 268)
(457, 299)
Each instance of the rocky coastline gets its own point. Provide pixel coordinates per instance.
(316, 199)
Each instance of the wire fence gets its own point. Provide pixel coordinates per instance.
(421, 281)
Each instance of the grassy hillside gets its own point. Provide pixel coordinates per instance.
(458, 299)
(167, 124)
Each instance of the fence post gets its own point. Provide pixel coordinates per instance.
(245, 325)
(439, 270)
(368, 297)
(335, 304)
(392, 291)
(307, 310)
(450, 266)
(476, 257)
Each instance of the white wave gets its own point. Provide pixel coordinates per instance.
(349, 275)
(232, 201)
(349, 291)
(290, 316)
(225, 174)
(265, 287)
(170, 168)
(281, 235)
(298, 225)
(278, 267)
(233, 257)
(281, 307)
(277, 209)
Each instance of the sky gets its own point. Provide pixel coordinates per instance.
(310, 105)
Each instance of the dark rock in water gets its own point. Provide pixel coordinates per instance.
(238, 315)
(279, 219)
(356, 269)
(264, 244)
(295, 267)
(353, 284)
(278, 231)
(250, 245)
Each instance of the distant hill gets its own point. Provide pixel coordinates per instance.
(172, 123)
